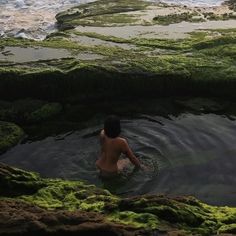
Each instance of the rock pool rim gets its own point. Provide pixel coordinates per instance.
(28, 191)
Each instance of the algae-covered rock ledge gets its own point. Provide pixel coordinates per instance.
(10, 135)
(56, 206)
(130, 59)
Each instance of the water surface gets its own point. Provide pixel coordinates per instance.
(172, 31)
(30, 54)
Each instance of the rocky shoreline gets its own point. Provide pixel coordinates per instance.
(126, 52)
(197, 62)
(55, 206)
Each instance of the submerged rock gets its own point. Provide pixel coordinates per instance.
(59, 206)
(10, 134)
(202, 104)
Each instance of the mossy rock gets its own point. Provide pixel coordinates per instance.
(98, 10)
(154, 213)
(177, 18)
(10, 135)
(228, 229)
(28, 110)
(113, 13)
(201, 65)
(15, 182)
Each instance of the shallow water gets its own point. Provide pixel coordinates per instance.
(188, 155)
(85, 40)
(21, 55)
(29, 54)
(173, 31)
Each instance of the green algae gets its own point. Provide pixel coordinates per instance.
(183, 69)
(54, 41)
(177, 18)
(213, 16)
(15, 182)
(139, 220)
(117, 13)
(201, 64)
(71, 195)
(106, 20)
(198, 40)
(10, 134)
(56, 195)
(230, 229)
(91, 12)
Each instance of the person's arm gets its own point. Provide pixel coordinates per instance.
(128, 152)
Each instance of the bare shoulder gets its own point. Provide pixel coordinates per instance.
(122, 140)
(123, 143)
(102, 134)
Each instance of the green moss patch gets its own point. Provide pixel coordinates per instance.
(177, 18)
(139, 220)
(10, 134)
(100, 12)
(230, 229)
(72, 195)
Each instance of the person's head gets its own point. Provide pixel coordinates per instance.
(112, 126)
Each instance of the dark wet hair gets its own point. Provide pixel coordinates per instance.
(112, 126)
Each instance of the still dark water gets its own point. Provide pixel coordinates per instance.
(187, 155)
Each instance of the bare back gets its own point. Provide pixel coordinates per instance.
(111, 149)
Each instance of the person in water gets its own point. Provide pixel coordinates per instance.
(112, 146)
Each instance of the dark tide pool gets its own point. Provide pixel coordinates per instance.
(186, 155)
